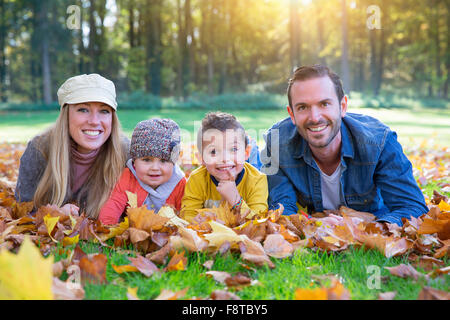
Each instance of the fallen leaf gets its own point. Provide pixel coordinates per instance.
(219, 276)
(428, 293)
(170, 295)
(145, 266)
(67, 290)
(93, 269)
(405, 271)
(220, 234)
(387, 295)
(132, 294)
(254, 252)
(144, 219)
(177, 263)
(132, 199)
(223, 295)
(25, 275)
(208, 264)
(276, 246)
(124, 268)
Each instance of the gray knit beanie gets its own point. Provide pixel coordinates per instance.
(159, 138)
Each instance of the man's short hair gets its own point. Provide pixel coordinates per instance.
(220, 121)
(315, 71)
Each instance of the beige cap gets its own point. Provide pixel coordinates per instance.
(87, 88)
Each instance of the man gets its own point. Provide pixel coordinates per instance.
(323, 157)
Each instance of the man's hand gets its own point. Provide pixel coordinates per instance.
(228, 191)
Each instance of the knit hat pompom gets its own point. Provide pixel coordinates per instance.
(159, 138)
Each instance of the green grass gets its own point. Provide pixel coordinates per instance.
(412, 126)
(305, 269)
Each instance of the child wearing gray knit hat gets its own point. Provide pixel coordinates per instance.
(151, 173)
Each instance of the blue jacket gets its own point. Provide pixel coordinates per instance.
(376, 175)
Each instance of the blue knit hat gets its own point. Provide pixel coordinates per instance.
(159, 138)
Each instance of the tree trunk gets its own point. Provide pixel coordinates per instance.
(380, 63)
(437, 45)
(344, 57)
(154, 47)
(183, 69)
(319, 22)
(294, 32)
(92, 67)
(373, 59)
(3, 95)
(46, 73)
(447, 56)
(131, 33)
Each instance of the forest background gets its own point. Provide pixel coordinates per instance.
(224, 53)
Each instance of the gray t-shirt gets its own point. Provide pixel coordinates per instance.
(331, 189)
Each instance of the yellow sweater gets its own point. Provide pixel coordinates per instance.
(201, 192)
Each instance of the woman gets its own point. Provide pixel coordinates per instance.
(80, 158)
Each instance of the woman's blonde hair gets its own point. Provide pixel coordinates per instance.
(54, 186)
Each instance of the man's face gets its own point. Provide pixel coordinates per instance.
(316, 112)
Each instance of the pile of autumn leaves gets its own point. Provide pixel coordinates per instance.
(161, 240)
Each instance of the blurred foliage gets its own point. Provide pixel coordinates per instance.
(192, 49)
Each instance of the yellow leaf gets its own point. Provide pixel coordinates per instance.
(220, 234)
(67, 241)
(444, 206)
(132, 199)
(168, 212)
(26, 275)
(132, 294)
(124, 268)
(311, 294)
(50, 223)
(116, 230)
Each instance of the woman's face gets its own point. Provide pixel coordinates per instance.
(90, 125)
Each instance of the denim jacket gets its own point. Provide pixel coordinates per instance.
(376, 175)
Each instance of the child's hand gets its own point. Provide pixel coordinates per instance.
(228, 191)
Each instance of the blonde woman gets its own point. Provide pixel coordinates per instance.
(76, 163)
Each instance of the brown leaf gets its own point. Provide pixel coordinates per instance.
(191, 240)
(138, 235)
(144, 265)
(93, 269)
(144, 219)
(219, 276)
(437, 198)
(428, 293)
(160, 256)
(208, 264)
(439, 226)
(276, 246)
(397, 247)
(387, 295)
(67, 290)
(238, 280)
(170, 295)
(177, 263)
(428, 263)
(223, 295)
(405, 271)
(254, 252)
(365, 216)
(445, 250)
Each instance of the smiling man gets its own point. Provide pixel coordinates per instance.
(325, 157)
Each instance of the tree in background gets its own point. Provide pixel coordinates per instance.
(185, 47)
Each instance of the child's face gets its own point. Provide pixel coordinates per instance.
(153, 171)
(224, 153)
